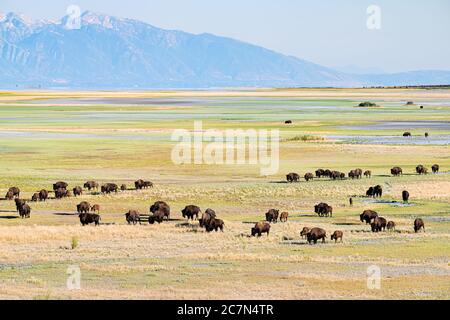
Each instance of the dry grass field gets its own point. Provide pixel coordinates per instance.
(124, 136)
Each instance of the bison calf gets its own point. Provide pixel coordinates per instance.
(418, 224)
(337, 235)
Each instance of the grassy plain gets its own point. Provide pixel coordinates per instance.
(123, 136)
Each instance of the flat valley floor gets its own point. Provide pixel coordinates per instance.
(124, 136)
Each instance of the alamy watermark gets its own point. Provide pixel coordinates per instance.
(73, 21)
(374, 277)
(374, 19)
(228, 147)
(74, 278)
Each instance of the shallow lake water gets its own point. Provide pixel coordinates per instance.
(415, 140)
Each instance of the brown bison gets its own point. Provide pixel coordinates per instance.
(284, 216)
(95, 208)
(316, 234)
(206, 217)
(83, 207)
(390, 226)
(272, 215)
(309, 176)
(214, 225)
(396, 171)
(59, 185)
(288, 122)
(337, 235)
(320, 173)
(123, 187)
(35, 197)
(367, 216)
(418, 224)
(109, 188)
(9, 195)
(378, 224)
(158, 216)
(43, 195)
(133, 217)
(88, 218)
(260, 228)
(61, 193)
(368, 174)
(405, 196)
(190, 211)
(24, 211)
(355, 174)
(139, 184)
(19, 203)
(377, 191)
(90, 185)
(292, 177)
(77, 191)
(161, 206)
(304, 232)
(323, 210)
(420, 169)
(15, 191)
(435, 168)
(407, 134)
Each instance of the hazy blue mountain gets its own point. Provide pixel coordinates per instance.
(110, 52)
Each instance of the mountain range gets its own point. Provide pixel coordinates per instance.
(111, 52)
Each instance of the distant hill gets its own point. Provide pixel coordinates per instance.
(110, 52)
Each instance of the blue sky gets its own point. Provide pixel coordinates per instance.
(414, 34)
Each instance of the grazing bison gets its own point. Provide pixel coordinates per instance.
(396, 171)
(260, 228)
(352, 174)
(418, 224)
(35, 197)
(288, 122)
(109, 188)
(19, 203)
(95, 208)
(368, 174)
(61, 193)
(59, 185)
(77, 191)
(390, 226)
(206, 217)
(378, 224)
(435, 168)
(420, 169)
(323, 210)
(190, 211)
(316, 234)
(405, 196)
(337, 175)
(304, 232)
(148, 184)
(367, 216)
(123, 187)
(91, 185)
(292, 177)
(24, 211)
(407, 134)
(337, 235)
(141, 184)
(309, 176)
(43, 195)
(214, 225)
(9, 195)
(158, 216)
(88, 218)
(327, 173)
(272, 215)
(377, 191)
(320, 173)
(83, 207)
(162, 207)
(284, 216)
(15, 191)
(133, 217)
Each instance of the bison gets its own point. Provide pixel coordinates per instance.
(320, 173)
(405, 196)
(35, 197)
(190, 211)
(407, 134)
(435, 168)
(60, 185)
(309, 176)
(214, 225)
(19, 203)
(158, 216)
(9, 195)
(91, 185)
(288, 122)
(161, 206)
(95, 208)
(323, 210)
(420, 169)
(260, 228)
(367, 216)
(377, 191)
(390, 226)
(284, 216)
(123, 187)
(304, 232)
(15, 192)
(24, 211)
(337, 235)
(292, 177)
(418, 224)
(378, 224)
(88, 218)
(109, 188)
(316, 234)
(43, 195)
(77, 191)
(83, 207)
(272, 215)
(133, 217)
(368, 174)
(396, 171)
(206, 217)
(61, 193)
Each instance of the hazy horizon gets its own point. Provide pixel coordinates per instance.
(332, 34)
